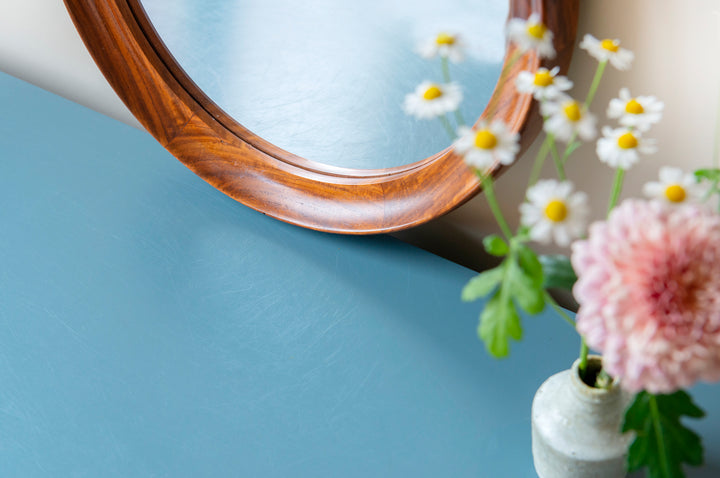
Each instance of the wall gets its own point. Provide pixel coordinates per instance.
(675, 43)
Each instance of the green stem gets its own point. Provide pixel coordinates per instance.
(489, 190)
(584, 352)
(539, 161)
(558, 163)
(655, 412)
(494, 100)
(617, 187)
(459, 118)
(561, 312)
(448, 128)
(445, 69)
(595, 83)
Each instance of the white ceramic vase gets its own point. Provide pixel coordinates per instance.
(576, 428)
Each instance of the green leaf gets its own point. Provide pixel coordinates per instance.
(709, 174)
(495, 245)
(526, 290)
(499, 323)
(558, 272)
(530, 264)
(662, 442)
(482, 284)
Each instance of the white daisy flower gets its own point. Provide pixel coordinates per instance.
(639, 112)
(675, 187)
(433, 99)
(444, 45)
(554, 212)
(621, 147)
(531, 34)
(544, 84)
(607, 50)
(487, 143)
(565, 117)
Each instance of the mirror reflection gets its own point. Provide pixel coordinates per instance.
(326, 80)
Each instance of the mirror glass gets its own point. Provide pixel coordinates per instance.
(326, 79)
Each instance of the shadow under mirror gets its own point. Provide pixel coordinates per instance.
(326, 80)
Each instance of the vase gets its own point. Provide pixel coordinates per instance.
(576, 428)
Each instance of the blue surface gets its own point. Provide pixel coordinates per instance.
(151, 326)
(326, 80)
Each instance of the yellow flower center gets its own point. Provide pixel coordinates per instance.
(484, 139)
(627, 141)
(445, 39)
(556, 210)
(432, 92)
(543, 78)
(634, 108)
(537, 30)
(610, 45)
(675, 193)
(572, 111)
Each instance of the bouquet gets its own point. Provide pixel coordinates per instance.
(647, 278)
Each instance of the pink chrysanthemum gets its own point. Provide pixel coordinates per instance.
(649, 293)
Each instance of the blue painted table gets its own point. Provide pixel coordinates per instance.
(151, 326)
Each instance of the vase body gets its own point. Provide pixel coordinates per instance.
(576, 428)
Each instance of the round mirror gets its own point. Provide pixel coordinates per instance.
(296, 110)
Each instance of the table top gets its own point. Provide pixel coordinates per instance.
(151, 326)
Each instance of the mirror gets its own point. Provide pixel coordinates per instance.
(326, 79)
(238, 108)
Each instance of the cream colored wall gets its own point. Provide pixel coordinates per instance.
(677, 59)
(676, 45)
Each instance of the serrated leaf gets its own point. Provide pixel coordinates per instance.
(496, 246)
(482, 284)
(528, 293)
(662, 442)
(530, 264)
(499, 323)
(558, 272)
(709, 174)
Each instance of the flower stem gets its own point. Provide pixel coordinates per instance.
(561, 312)
(494, 100)
(539, 161)
(558, 163)
(584, 351)
(448, 128)
(617, 187)
(445, 69)
(595, 83)
(489, 190)
(655, 412)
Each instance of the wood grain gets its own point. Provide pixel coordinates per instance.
(275, 182)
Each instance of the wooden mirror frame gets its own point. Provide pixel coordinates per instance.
(172, 108)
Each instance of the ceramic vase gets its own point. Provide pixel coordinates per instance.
(576, 428)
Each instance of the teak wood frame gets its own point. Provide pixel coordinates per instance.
(215, 146)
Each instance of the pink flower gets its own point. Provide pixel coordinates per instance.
(649, 293)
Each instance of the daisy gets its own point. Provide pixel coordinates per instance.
(647, 286)
(444, 45)
(621, 147)
(566, 117)
(675, 187)
(554, 211)
(432, 99)
(607, 50)
(531, 34)
(639, 112)
(486, 143)
(544, 84)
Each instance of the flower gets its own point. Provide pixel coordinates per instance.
(444, 45)
(486, 143)
(607, 50)
(675, 187)
(648, 281)
(531, 34)
(554, 211)
(566, 117)
(620, 147)
(544, 84)
(433, 99)
(640, 112)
